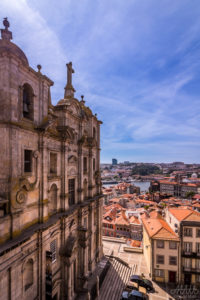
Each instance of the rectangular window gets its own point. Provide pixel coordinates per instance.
(172, 245)
(188, 231)
(95, 217)
(160, 244)
(71, 191)
(53, 163)
(198, 247)
(53, 250)
(198, 232)
(187, 247)
(187, 263)
(198, 278)
(160, 259)
(84, 165)
(198, 264)
(173, 260)
(27, 161)
(94, 164)
(159, 273)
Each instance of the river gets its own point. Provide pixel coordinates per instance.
(143, 185)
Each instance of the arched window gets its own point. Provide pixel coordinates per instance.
(53, 198)
(85, 188)
(27, 101)
(28, 274)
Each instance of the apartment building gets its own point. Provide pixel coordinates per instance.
(161, 249)
(178, 189)
(186, 223)
(118, 223)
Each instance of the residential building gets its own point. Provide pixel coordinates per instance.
(178, 189)
(118, 222)
(186, 223)
(161, 249)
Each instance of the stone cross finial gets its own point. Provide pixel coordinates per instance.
(5, 33)
(69, 90)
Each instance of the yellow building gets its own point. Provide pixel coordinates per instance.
(187, 224)
(161, 249)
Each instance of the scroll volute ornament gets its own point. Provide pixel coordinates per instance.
(21, 196)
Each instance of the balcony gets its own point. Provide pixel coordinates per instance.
(191, 270)
(191, 254)
(187, 269)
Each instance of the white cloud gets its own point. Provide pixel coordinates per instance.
(133, 61)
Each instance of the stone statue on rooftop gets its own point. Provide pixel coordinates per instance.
(6, 23)
(70, 70)
(69, 90)
(5, 33)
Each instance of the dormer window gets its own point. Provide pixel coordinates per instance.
(27, 102)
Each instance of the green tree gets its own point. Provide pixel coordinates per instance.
(189, 194)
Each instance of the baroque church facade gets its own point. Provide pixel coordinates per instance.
(50, 187)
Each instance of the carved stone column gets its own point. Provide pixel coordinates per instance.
(90, 165)
(63, 175)
(69, 283)
(80, 172)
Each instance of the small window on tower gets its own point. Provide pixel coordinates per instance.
(85, 165)
(27, 161)
(53, 163)
(27, 101)
(71, 191)
(94, 164)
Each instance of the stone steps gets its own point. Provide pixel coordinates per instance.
(121, 283)
(105, 288)
(116, 279)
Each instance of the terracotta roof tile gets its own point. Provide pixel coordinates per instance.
(158, 228)
(180, 213)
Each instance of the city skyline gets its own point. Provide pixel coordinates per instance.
(137, 63)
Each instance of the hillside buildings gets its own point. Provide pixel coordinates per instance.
(50, 196)
(177, 186)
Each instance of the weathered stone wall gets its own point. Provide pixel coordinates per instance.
(36, 217)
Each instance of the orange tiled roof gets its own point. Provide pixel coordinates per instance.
(135, 243)
(121, 220)
(180, 213)
(134, 220)
(159, 229)
(127, 196)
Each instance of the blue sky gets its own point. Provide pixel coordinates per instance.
(136, 61)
